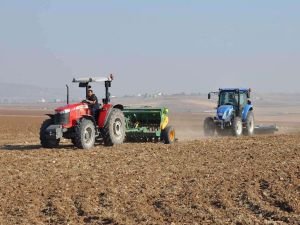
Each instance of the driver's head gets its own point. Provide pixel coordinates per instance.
(90, 92)
(231, 98)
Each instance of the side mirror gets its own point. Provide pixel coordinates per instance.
(209, 96)
(107, 84)
(249, 102)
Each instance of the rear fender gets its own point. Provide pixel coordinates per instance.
(103, 114)
(119, 106)
(245, 112)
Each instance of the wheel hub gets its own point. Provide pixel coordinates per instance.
(118, 128)
(251, 125)
(172, 135)
(87, 135)
(239, 128)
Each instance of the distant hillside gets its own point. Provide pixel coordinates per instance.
(19, 93)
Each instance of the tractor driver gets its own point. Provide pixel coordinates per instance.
(232, 100)
(92, 100)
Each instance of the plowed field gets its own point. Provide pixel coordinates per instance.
(248, 180)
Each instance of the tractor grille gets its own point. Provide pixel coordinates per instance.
(61, 118)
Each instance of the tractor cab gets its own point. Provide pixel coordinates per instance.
(237, 98)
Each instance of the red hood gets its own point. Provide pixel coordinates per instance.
(71, 107)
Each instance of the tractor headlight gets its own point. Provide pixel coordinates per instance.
(62, 117)
(85, 106)
(65, 111)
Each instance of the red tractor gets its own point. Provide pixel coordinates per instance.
(76, 121)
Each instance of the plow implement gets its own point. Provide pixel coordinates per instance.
(265, 129)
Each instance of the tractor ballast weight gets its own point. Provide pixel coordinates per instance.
(76, 122)
(148, 124)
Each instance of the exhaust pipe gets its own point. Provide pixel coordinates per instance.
(67, 94)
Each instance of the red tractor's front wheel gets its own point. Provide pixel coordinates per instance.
(46, 141)
(84, 134)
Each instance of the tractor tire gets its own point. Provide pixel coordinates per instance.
(84, 134)
(73, 140)
(237, 126)
(45, 141)
(250, 124)
(114, 130)
(209, 127)
(168, 135)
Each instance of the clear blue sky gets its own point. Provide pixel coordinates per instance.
(170, 46)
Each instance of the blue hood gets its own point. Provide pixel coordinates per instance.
(224, 111)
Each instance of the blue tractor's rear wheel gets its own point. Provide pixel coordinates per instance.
(250, 124)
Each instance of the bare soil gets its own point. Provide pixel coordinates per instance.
(248, 180)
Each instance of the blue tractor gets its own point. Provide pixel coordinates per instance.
(234, 113)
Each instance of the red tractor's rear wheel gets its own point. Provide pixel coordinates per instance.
(114, 129)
